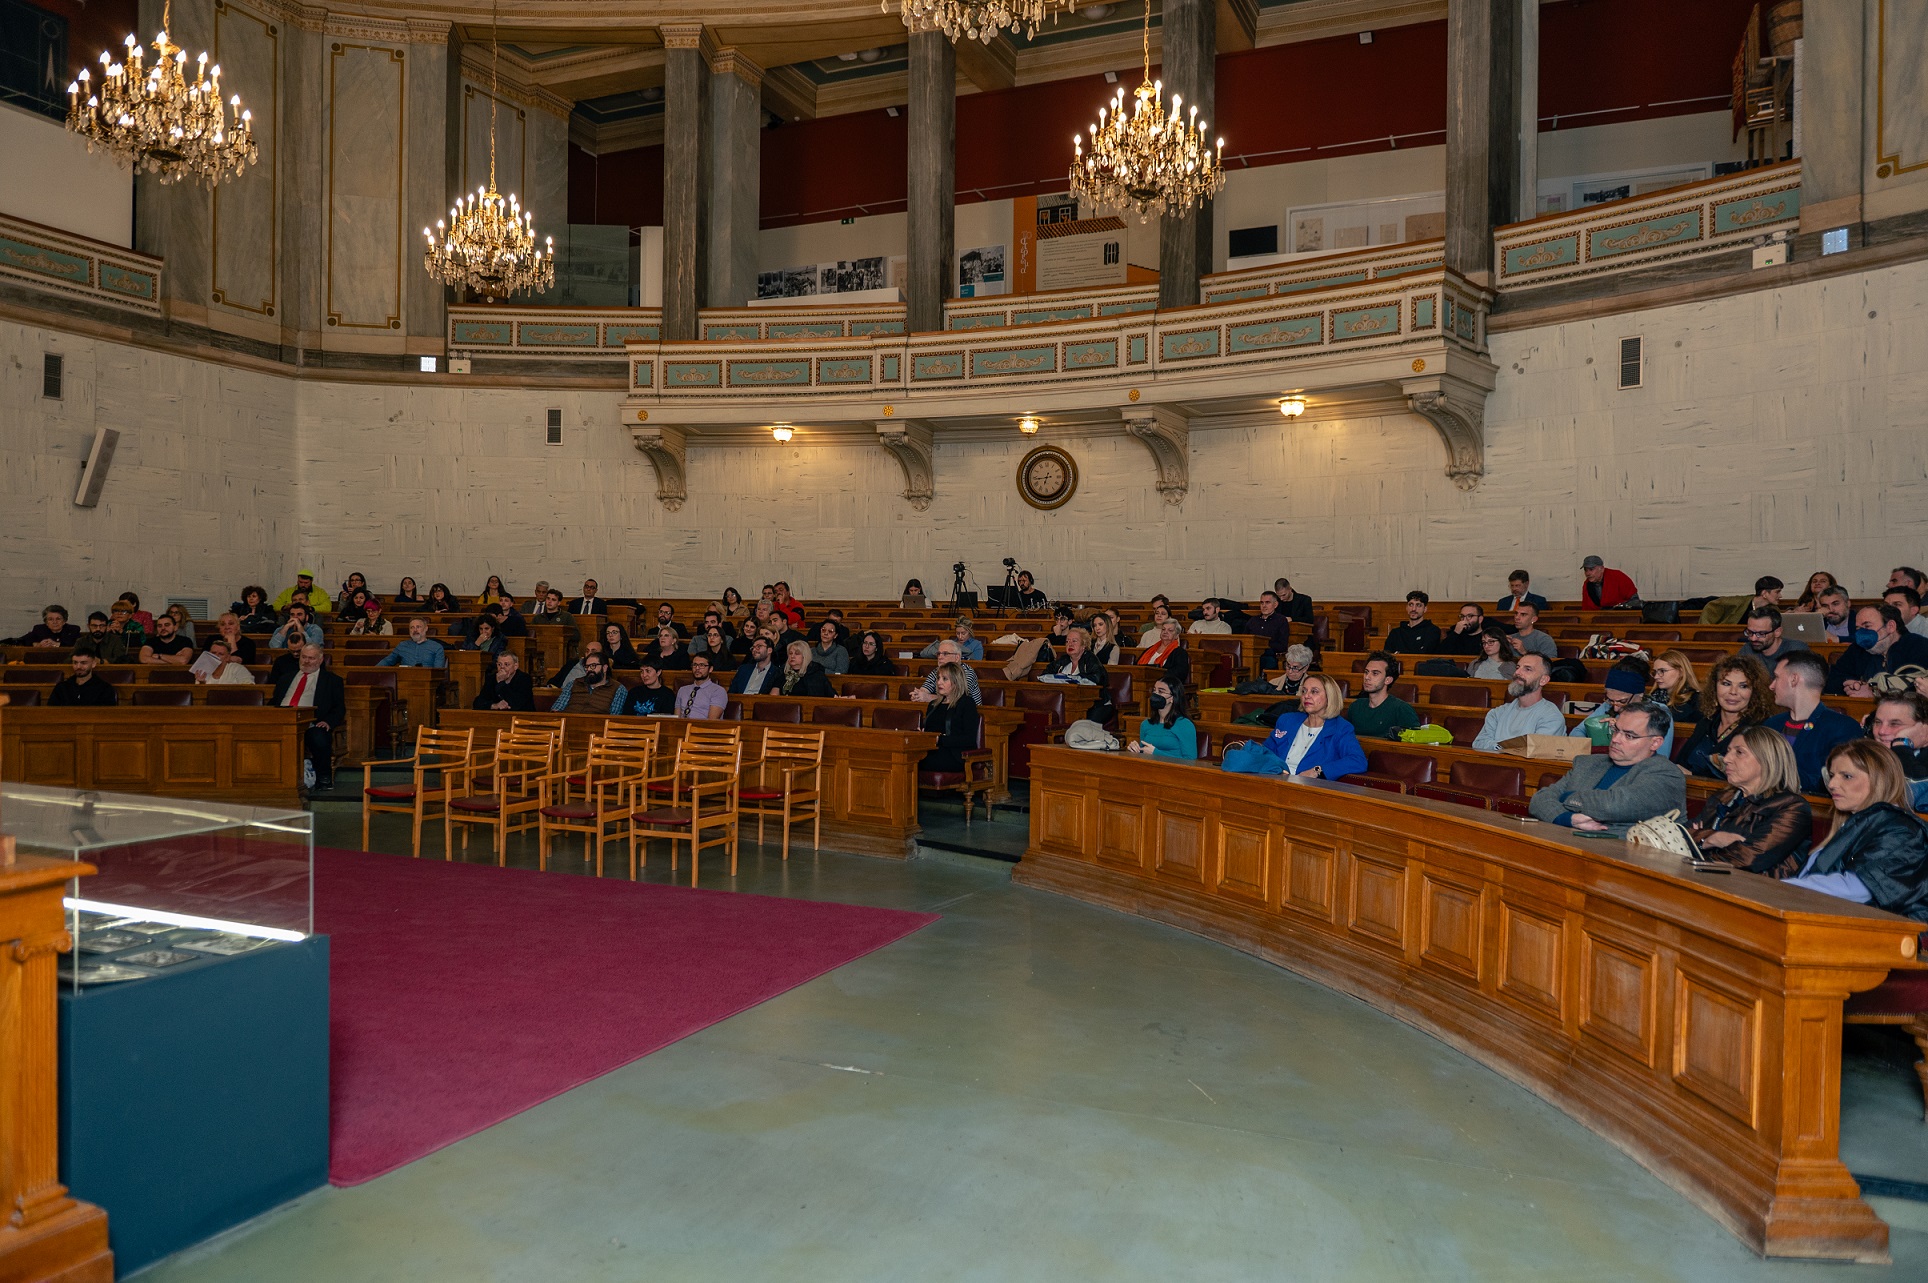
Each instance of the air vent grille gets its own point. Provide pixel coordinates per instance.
(50, 371)
(1630, 363)
(555, 427)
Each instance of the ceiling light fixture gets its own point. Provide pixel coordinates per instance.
(1029, 425)
(782, 432)
(961, 20)
(1292, 407)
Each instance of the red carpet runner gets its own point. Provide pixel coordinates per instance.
(464, 994)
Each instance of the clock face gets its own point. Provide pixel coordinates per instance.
(1047, 477)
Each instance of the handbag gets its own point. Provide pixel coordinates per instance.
(1660, 612)
(1665, 832)
(1087, 734)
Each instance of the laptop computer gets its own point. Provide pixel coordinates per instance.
(1810, 627)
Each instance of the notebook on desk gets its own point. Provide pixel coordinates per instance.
(1810, 627)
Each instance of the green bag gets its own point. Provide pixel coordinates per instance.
(1427, 734)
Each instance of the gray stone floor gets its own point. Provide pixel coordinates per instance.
(1035, 1089)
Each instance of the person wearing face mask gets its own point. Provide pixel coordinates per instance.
(1313, 743)
(1877, 851)
(1167, 733)
(1526, 711)
(1881, 646)
(1900, 722)
(1760, 823)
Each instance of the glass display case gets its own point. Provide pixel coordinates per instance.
(179, 884)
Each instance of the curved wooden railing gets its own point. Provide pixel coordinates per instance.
(1693, 1020)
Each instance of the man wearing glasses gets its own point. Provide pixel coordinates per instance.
(1761, 636)
(1631, 782)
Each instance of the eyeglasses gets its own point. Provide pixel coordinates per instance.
(1751, 635)
(1620, 734)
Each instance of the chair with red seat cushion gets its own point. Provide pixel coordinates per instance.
(1464, 729)
(503, 789)
(1368, 779)
(1901, 999)
(863, 688)
(908, 718)
(604, 789)
(1408, 691)
(705, 783)
(786, 783)
(1462, 696)
(1044, 712)
(1413, 768)
(993, 696)
(1514, 806)
(1447, 793)
(978, 776)
(436, 752)
(1493, 779)
(839, 714)
(770, 710)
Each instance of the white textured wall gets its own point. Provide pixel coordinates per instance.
(52, 179)
(1778, 432)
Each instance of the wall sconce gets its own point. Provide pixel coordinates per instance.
(782, 432)
(1029, 425)
(1292, 407)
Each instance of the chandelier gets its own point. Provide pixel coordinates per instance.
(155, 120)
(1147, 160)
(488, 244)
(978, 19)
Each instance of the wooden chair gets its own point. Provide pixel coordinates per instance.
(502, 789)
(609, 781)
(705, 783)
(978, 776)
(626, 733)
(787, 784)
(437, 752)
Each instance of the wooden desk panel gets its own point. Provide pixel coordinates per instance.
(1694, 1021)
(228, 753)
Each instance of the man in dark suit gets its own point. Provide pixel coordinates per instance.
(589, 603)
(507, 687)
(311, 685)
(1520, 592)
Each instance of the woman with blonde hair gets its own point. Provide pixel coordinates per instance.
(1313, 743)
(1760, 822)
(952, 717)
(803, 676)
(1877, 851)
(1104, 642)
(1676, 687)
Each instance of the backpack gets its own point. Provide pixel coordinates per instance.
(1567, 670)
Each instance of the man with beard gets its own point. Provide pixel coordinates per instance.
(1525, 712)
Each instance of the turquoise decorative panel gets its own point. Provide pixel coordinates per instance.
(1648, 233)
(1365, 322)
(1233, 296)
(1091, 356)
(1407, 269)
(617, 335)
(1557, 252)
(121, 280)
(642, 374)
(1135, 348)
(730, 332)
(1464, 323)
(889, 368)
(492, 333)
(1425, 312)
(843, 370)
(1320, 283)
(692, 374)
(1040, 315)
(864, 329)
(1188, 345)
(1020, 360)
(549, 334)
(949, 365)
(1749, 212)
(764, 374)
(807, 330)
(1123, 309)
(984, 321)
(1293, 331)
(24, 256)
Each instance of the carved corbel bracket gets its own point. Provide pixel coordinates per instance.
(1168, 435)
(909, 442)
(1459, 414)
(666, 449)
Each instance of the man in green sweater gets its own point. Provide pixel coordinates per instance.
(1376, 714)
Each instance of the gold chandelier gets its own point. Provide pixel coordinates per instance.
(155, 120)
(1147, 160)
(488, 243)
(978, 19)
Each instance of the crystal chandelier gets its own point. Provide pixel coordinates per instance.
(978, 19)
(154, 119)
(488, 244)
(1147, 160)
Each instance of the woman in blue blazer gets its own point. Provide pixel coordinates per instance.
(1314, 743)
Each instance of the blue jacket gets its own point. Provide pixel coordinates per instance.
(1811, 746)
(1336, 752)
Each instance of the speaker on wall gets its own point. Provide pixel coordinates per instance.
(93, 474)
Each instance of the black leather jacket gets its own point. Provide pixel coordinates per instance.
(1887, 848)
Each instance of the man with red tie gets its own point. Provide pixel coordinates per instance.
(310, 685)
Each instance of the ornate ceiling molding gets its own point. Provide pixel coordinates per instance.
(909, 442)
(734, 62)
(512, 81)
(1167, 433)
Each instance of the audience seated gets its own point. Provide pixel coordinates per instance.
(1876, 852)
(304, 583)
(598, 692)
(1466, 634)
(289, 660)
(125, 636)
(1818, 582)
(406, 594)
(1761, 822)
(1155, 627)
(669, 653)
(82, 689)
(506, 687)
(256, 613)
(1882, 653)
(1907, 603)
(1630, 782)
(52, 630)
(829, 651)
(96, 628)
(492, 591)
(1725, 610)
(1905, 577)
(167, 646)
(1298, 662)
(1605, 587)
(967, 644)
(1626, 682)
(1526, 711)
(371, 624)
(784, 604)
(1104, 640)
(240, 645)
(732, 606)
(1497, 656)
(1737, 696)
(1810, 727)
(1029, 595)
(1835, 611)
(483, 637)
(1208, 622)
(1168, 732)
(1519, 592)
(417, 650)
(1676, 688)
(310, 685)
(803, 676)
(1418, 635)
(352, 606)
(1273, 626)
(299, 624)
(947, 653)
(1167, 651)
(871, 660)
(222, 667)
(1313, 743)
(1296, 606)
(1761, 635)
(1900, 724)
(759, 674)
(440, 600)
(1527, 637)
(701, 697)
(952, 717)
(1378, 713)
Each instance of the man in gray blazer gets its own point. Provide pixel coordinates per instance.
(1630, 783)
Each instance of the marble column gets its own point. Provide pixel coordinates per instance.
(736, 117)
(686, 169)
(1482, 130)
(1526, 87)
(1189, 37)
(426, 196)
(176, 221)
(930, 262)
(1833, 114)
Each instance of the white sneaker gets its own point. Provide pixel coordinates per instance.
(307, 774)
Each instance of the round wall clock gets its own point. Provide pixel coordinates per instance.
(1047, 477)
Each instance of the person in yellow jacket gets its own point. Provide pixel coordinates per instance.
(304, 582)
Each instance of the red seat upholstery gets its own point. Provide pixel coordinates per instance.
(167, 697)
(936, 779)
(733, 712)
(667, 817)
(1494, 779)
(863, 688)
(114, 676)
(995, 697)
(1515, 806)
(760, 795)
(169, 675)
(237, 696)
(480, 804)
(391, 792)
(768, 711)
(546, 700)
(1903, 993)
(835, 715)
(1207, 746)
(23, 699)
(1373, 780)
(1413, 768)
(570, 812)
(1462, 696)
(1121, 687)
(908, 718)
(1465, 729)
(1447, 793)
(1408, 691)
